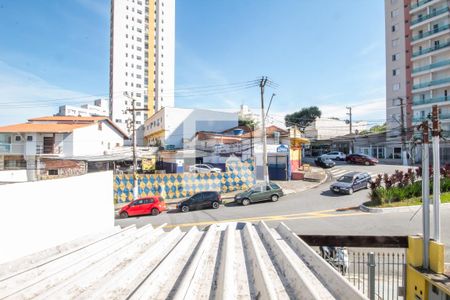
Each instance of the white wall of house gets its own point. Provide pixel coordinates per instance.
(13, 176)
(91, 140)
(325, 128)
(53, 212)
(183, 123)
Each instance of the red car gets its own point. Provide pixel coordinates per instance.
(361, 159)
(143, 206)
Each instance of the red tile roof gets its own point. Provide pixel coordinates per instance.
(41, 128)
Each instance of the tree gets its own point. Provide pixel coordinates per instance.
(375, 129)
(250, 123)
(304, 117)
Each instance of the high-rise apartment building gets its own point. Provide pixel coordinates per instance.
(142, 58)
(417, 66)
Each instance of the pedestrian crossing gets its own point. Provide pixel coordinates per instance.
(337, 172)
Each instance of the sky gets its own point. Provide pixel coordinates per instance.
(326, 53)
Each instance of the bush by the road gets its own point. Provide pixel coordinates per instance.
(403, 185)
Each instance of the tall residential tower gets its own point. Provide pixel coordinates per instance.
(417, 66)
(142, 58)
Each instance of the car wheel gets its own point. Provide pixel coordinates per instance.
(215, 205)
(367, 163)
(155, 212)
(185, 208)
(274, 198)
(245, 202)
(124, 215)
(350, 191)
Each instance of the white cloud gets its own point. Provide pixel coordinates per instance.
(26, 95)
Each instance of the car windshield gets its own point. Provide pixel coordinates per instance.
(209, 166)
(346, 179)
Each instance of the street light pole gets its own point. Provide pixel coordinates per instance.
(262, 84)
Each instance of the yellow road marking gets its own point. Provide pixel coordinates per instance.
(306, 215)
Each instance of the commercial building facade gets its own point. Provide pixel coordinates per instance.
(172, 127)
(99, 108)
(417, 67)
(142, 58)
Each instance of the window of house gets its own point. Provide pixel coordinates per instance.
(18, 138)
(396, 87)
(395, 13)
(395, 72)
(395, 56)
(52, 172)
(395, 43)
(394, 27)
(29, 138)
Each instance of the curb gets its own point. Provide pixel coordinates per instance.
(367, 209)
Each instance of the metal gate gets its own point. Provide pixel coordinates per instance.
(278, 167)
(378, 275)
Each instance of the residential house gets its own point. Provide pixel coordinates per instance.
(29, 145)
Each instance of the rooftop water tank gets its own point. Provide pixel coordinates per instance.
(238, 131)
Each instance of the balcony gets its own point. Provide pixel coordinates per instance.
(431, 32)
(442, 116)
(7, 148)
(431, 83)
(435, 13)
(431, 66)
(431, 49)
(431, 100)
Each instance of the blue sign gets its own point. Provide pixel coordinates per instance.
(283, 148)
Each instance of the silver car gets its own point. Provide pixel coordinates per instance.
(351, 182)
(335, 155)
(204, 168)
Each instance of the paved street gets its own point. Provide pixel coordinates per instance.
(309, 212)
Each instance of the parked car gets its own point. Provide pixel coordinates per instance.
(324, 162)
(361, 159)
(204, 168)
(260, 192)
(336, 155)
(200, 200)
(143, 206)
(351, 182)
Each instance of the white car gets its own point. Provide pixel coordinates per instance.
(336, 155)
(204, 168)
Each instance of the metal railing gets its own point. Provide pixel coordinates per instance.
(432, 66)
(378, 275)
(5, 148)
(442, 116)
(431, 49)
(431, 32)
(431, 83)
(419, 3)
(435, 13)
(431, 100)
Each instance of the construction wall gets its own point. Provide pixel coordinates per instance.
(239, 176)
(42, 214)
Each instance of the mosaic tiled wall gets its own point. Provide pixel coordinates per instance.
(240, 175)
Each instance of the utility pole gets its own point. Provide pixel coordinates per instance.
(436, 173)
(133, 128)
(350, 117)
(425, 193)
(403, 133)
(262, 84)
(351, 121)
